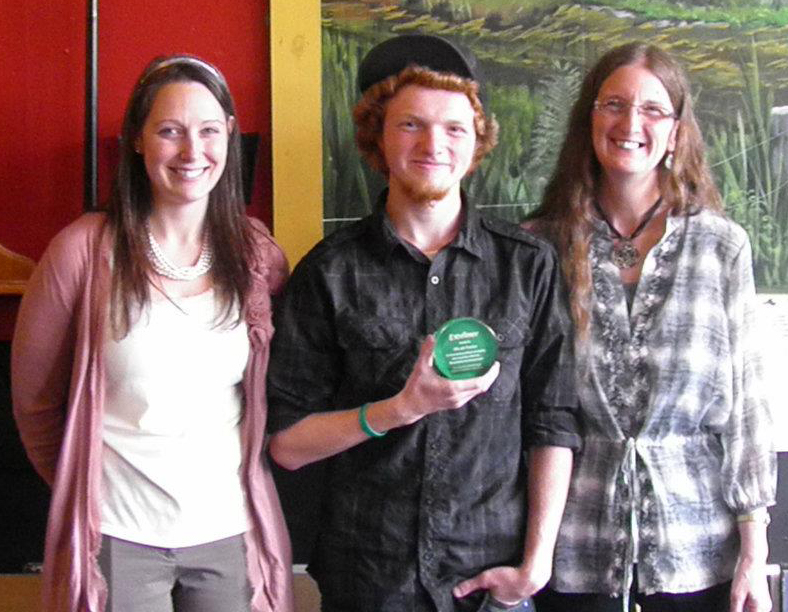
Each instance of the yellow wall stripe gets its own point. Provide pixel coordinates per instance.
(296, 125)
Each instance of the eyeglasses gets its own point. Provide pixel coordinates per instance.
(650, 111)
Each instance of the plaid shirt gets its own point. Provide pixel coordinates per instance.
(409, 515)
(677, 433)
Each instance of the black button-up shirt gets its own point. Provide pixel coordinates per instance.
(409, 515)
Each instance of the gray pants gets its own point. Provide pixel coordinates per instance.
(205, 578)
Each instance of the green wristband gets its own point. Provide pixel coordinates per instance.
(365, 427)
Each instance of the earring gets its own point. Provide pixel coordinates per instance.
(668, 161)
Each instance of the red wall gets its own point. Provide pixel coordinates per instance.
(42, 98)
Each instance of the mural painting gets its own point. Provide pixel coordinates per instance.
(533, 54)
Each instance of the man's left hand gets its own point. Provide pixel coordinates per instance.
(509, 585)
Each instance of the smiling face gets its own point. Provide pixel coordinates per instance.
(428, 142)
(633, 141)
(184, 144)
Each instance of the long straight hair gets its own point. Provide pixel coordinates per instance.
(566, 211)
(130, 202)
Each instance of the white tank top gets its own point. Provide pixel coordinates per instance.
(173, 406)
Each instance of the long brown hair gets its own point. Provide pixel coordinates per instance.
(130, 202)
(566, 210)
(370, 112)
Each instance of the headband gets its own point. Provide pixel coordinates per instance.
(184, 59)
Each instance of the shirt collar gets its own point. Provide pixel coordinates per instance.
(385, 238)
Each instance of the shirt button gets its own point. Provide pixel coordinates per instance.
(435, 280)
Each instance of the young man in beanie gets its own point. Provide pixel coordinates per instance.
(441, 494)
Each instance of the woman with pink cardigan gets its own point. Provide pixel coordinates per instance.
(138, 373)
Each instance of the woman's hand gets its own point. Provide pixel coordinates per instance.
(750, 589)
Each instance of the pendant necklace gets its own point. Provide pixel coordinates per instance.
(625, 253)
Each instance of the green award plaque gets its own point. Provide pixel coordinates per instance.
(464, 348)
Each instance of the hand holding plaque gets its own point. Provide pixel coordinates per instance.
(464, 348)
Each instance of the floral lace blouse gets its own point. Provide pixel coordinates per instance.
(677, 432)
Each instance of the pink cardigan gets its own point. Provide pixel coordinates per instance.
(58, 391)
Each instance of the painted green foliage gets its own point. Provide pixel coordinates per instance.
(533, 54)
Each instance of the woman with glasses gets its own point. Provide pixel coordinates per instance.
(139, 364)
(667, 506)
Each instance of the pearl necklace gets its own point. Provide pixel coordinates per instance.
(165, 267)
(625, 253)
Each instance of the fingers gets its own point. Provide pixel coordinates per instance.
(466, 587)
(471, 387)
(425, 352)
(504, 583)
(488, 378)
(758, 604)
(750, 602)
(426, 391)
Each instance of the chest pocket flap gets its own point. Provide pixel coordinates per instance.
(512, 335)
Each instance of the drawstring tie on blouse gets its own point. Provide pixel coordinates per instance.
(629, 475)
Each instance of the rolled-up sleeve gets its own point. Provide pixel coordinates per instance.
(548, 369)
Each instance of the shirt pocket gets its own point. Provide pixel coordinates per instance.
(379, 351)
(512, 335)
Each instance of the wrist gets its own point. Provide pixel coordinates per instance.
(370, 431)
(758, 516)
(753, 555)
(400, 410)
(753, 544)
(535, 568)
(382, 416)
(539, 548)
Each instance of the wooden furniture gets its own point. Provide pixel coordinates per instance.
(15, 270)
(20, 592)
